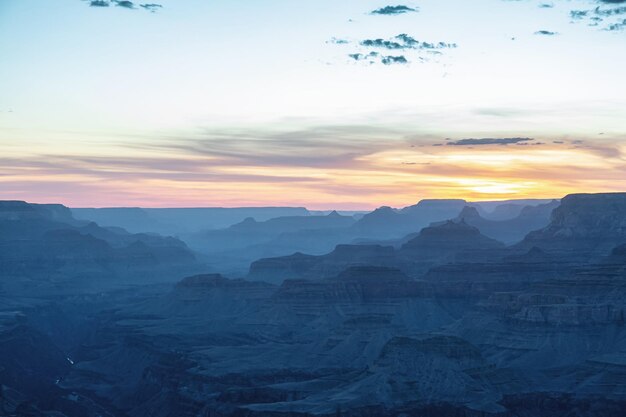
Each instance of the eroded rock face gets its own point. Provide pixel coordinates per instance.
(587, 225)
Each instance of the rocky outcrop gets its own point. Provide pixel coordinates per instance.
(449, 239)
(584, 226)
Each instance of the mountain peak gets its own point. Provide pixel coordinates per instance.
(469, 212)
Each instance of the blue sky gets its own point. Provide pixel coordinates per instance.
(80, 82)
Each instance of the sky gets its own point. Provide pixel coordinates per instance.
(349, 105)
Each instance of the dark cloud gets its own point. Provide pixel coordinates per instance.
(578, 14)
(338, 41)
(394, 10)
(610, 12)
(389, 60)
(99, 3)
(546, 5)
(371, 57)
(488, 141)
(546, 33)
(152, 7)
(125, 3)
(381, 43)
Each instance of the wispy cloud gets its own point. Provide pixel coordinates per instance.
(488, 141)
(367, 165)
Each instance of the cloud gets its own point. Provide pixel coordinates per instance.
(389, 60)
(610, 12)
(394, 10)
(338, 41)
(616, 26)
(488, 141)
(404, 41)
(372, 56)
(602, 16)
(381, 43)
(152, 7)
(125, 3)
(578, 14)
